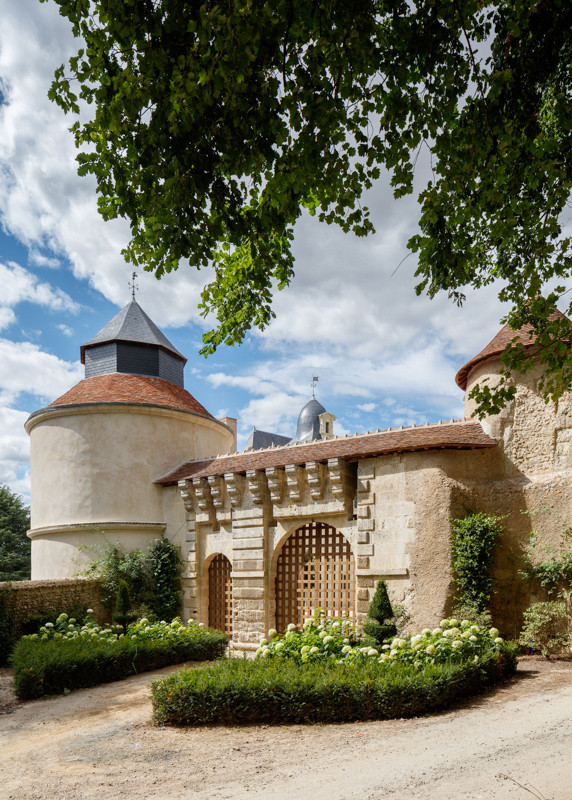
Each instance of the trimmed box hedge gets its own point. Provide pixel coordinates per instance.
(50, 667)
(241, 692)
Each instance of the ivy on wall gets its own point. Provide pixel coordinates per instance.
(473, 544)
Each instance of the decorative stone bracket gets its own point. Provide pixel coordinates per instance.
(277, 489)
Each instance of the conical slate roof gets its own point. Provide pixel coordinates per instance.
(131, 324)
(497, 345)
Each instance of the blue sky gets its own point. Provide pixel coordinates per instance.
(384, 356)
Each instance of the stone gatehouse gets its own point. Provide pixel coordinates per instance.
(270, 533)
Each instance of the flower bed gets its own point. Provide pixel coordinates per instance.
(321, 674)
(66, 655)
(326, 640)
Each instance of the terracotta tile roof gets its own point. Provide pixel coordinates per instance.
(118, 387)
(459, 434)
(497, 345)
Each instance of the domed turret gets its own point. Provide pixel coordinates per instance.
(312, 424)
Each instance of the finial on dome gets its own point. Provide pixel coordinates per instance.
(314, 383)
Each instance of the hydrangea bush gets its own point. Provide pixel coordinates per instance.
(66, 628)
(68, 655)
(322, 639)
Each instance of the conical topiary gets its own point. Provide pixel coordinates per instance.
(123, 614)
(377, 624)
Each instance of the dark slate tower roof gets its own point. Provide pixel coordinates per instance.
(308, 428)
(132, 344)
(131, 325)
(260, 440)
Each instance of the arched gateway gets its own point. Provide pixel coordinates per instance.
(315, 569)
(220, 594)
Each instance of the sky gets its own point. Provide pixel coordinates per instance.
(384, 356)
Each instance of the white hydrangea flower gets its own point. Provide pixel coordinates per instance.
(346, 649)
(328, 639)
(372, 652)
(314, 650)
(457, 644)
(453, 623)
(494, 632)
(272, 633)
(430, 649)
(279, 646)
(499, 640)
(426, 632)
(291, 627)
(444, 623)
(473, 638)
(305, 649)
(437, 632)
(263, 642)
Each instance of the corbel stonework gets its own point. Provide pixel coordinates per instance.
(316, 474)
(294, 479)
(203, 494)
(256, 479)
(341, 481)
(276, 478)
(188, 494)
(234, 488)
(216, 487)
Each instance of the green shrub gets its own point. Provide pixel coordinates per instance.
(65, 655)
(266, 691)
(153, 579)
(547, 627)
(123, 614)
(6, 633)
(473, 547)
(166, 567)
(377, 624)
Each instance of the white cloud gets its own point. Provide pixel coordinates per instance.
(19, 285)
(14, 450)
(367, 407)
(7, 317)
(65, 329)
(25, 368)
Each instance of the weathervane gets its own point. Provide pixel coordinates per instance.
(132, 285)
(314, 383)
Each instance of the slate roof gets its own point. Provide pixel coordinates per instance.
(308, 427)
(121, 387)
(131, 324)
(260, 440)
(455, 434)
(497, 345)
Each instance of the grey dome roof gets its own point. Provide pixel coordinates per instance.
(132, 324)
(308, 428)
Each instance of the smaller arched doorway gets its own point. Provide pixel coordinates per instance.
(315, 569)
(220, 594)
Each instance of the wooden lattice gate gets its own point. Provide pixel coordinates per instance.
(315, 570)
(220, 594)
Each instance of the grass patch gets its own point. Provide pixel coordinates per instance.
(242, 692)
(53, 665)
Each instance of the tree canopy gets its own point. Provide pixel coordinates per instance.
(14, 543)
(215, 125)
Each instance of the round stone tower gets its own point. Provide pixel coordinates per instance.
(533, 436)
(97, 450)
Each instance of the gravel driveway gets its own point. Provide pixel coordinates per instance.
(98, 744)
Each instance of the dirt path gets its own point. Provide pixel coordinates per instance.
(98, 744)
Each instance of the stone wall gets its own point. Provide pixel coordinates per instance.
(27, 598)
